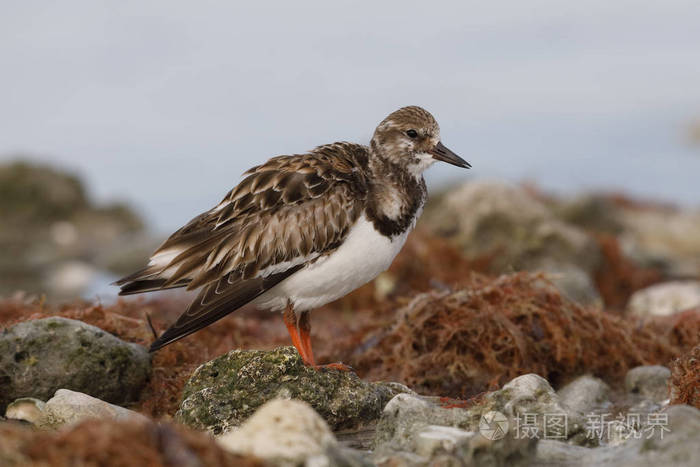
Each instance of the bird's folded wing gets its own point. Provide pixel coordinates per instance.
(215, 301)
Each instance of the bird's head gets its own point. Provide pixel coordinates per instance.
(410, 137)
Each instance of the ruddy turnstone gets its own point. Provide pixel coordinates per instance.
(300, 231)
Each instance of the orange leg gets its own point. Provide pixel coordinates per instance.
(305, 337)
(290, 320)
(304, 326)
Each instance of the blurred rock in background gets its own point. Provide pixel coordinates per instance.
(55, 240)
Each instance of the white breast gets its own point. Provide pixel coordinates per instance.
(363, 255)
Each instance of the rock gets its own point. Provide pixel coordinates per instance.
(222, 393)
(585, 394)
(573, 282)
(599, 213)
(532, 394)
(515, 231)
(665, 299)
(416, 430)
(527, 394)
(337, 455)
(488, 217)
(441, 444)
(405, 415)
(435, 438)
(39, 357)
(285, 432)
(663, 238)
(553, 452)
(672, 442)
(68, 407)
(650, 382)
(27, 409)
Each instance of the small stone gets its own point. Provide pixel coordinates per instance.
(663, 238)
(27, 409)
(69, 407)
(650, 382)
(585, 394)
(531, 394)
(41, 356)
(405, 415)
(434, 438)
(665, 299)
(286, 432)
(224, 392)
(618, 432)
(573, 282)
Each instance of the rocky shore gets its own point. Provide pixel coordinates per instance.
(513, 329)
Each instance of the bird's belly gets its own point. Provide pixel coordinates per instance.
(364, 254)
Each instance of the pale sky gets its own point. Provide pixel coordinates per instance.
(165, 103)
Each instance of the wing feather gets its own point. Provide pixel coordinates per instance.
(215, 301)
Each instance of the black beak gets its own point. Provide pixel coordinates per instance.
(441, 153)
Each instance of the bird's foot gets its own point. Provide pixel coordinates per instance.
(333, 366)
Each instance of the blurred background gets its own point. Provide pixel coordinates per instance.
(120, 121)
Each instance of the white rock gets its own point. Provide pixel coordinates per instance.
(584, 394)
(487, 216)
(434, 438)
(664, 237)
(27, 409)
(68, 407)
(286, 431)
(665, 299)
(649, 381)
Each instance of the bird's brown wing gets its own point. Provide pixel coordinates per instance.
(215, 301)
(284, 214)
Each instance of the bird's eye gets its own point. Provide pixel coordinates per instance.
(412, 133)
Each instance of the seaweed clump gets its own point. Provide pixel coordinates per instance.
(108, 442)
(461, 343)
(685, 378)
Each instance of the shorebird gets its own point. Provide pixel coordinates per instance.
(300, 231)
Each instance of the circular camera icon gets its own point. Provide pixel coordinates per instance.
(493, 425)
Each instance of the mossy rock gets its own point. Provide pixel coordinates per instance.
(224, 392)
(41, 356)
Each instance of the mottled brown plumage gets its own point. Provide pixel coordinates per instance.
(290, 212)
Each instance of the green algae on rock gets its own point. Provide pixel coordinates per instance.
(224, 392)
(41, 356)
